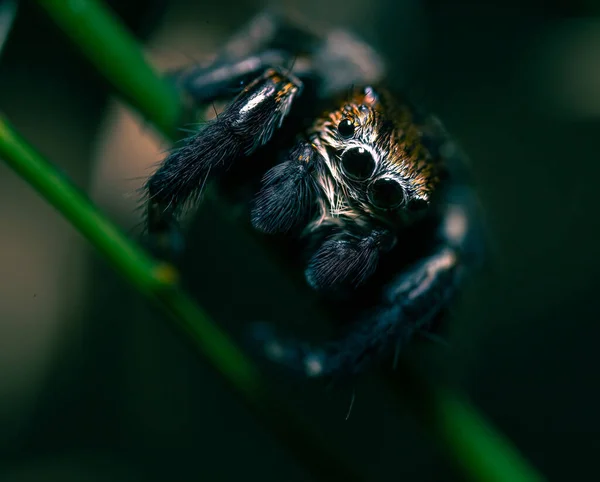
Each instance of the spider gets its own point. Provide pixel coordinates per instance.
(371, 193)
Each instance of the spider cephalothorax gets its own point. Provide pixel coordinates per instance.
(374, 152)
(351, 170)
(376, 164)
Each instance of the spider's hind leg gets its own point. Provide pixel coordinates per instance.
(223, 81)
(327, 60)
(269, 40)
(408, 304)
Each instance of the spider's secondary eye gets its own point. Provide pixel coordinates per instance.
(358, 164)
(346, 128)
(386, 194)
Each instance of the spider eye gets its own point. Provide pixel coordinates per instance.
(386, 194)
(346, 128)
(358, 164)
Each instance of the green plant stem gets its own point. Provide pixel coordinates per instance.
(150, 277)
(484, 455)
(465, 436)
(482, 452)
(104, 40)
(158, 282)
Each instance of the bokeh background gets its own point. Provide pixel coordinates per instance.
(95, 386)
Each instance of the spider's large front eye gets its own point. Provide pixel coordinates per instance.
(346, 128)
(358, 164)
(386, 194)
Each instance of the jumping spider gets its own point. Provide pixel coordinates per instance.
(372, 191)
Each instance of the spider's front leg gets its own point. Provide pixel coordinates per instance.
(347, 258)
(246, 124)
(287, 195)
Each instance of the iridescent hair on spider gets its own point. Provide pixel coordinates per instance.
(376, 164)
(376, 177)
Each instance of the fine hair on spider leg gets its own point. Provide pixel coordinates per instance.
(287, 194)
(347, 259)
(294, 355)
(375, 334)
(246, 124)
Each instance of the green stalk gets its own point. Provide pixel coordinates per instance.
(465, 436)
(154, 279)
(482, 452)
(105, 42)
(484, 455)
(158, 282)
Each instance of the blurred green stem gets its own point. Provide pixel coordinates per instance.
(484, 455)
(482, 452)
(104, 40)
(465, 437)
(154, 279)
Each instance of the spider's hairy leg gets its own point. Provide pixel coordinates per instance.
(269, 40)
(407, 304)
(348, 257)
(287, 194)
(222, 81)
(246, 124)
(331, 58)
(338, 58)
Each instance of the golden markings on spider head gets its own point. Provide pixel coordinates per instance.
(389, 128)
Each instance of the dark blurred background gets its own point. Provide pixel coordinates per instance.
(95, 386)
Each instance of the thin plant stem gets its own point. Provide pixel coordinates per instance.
(462, 432)
(481, 451)
(105, 41)
(150, 277)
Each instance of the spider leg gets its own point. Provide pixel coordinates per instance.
(8, 13)
(270, 40)
(330, 61)
(338, 59)
(347, 258)
(409, 303)
(246, 124)
(222, 81)
(287, 194)
(271, 29)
